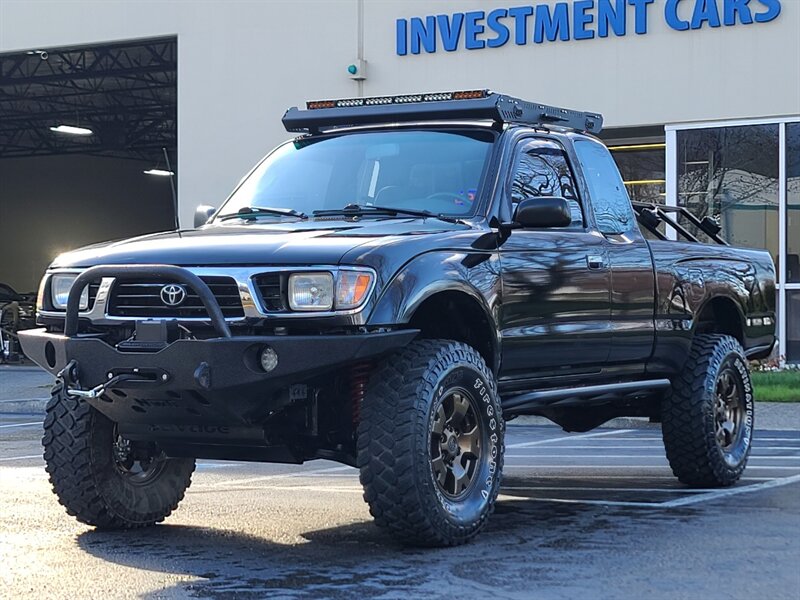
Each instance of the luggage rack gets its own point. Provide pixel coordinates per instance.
(321, 115)
(651, 216)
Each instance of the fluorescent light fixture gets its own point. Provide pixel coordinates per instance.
(645, 181)
(159, 172)
(638, 147)
(72, 130)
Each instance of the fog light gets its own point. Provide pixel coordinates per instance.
(269, 359)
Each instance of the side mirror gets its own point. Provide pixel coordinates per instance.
(543, 211)
(202, 214)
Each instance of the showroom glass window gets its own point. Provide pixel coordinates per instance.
(731, 174)
(643, 170)
(793, 204)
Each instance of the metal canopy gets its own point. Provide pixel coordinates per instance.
(125, 93)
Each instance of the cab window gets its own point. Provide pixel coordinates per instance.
(541, 169)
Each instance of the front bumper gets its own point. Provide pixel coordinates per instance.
(214, 381)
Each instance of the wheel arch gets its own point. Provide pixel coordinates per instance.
(457, 315)
(447, 295)
(721, 314)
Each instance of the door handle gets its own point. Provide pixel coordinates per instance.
(595, 261)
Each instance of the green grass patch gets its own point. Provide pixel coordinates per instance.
(776, 386)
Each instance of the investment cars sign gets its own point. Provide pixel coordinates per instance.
(578, 20)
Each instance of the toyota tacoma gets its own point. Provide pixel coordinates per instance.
(387, 289)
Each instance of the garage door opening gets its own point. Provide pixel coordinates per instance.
(88, 149)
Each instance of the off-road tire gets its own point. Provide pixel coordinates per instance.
(402, 409)
(78, 451)
(688, 414)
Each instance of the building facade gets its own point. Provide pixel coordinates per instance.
(701, 98)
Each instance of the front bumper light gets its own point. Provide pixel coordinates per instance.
(60, 285)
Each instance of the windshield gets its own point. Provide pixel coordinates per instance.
(434, 171)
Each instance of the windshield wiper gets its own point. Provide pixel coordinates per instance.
(251, 212)
(370, 209)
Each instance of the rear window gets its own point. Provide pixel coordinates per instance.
(612, 208)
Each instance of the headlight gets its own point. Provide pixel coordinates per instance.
(60, 285)
(319, 291)
(311, 291)
(352, 288)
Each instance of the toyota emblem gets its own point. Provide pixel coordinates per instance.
(173, 294)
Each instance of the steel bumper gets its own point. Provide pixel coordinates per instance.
(201, 381)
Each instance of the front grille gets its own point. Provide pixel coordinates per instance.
(272, 289)
(93, 286)
(142, 298)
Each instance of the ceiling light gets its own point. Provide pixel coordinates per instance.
(159, 172)
(637, 147)
(645, 181)
(72, 130)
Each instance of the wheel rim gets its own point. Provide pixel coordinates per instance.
(729, 409)
(455, 444)
(136, 465)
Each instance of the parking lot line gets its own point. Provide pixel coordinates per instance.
(20, 425)
(575, 501)
(642, 467)
(569, 437)
(534, 488)
(606, 456)
(732, 492)
(234, 482)
(20, 457)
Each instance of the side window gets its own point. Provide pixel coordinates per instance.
(612, 207)
(544, 171)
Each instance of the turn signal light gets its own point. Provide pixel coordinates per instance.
(352, 288)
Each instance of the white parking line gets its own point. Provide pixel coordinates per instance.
(536, 488)
(656, 447)
(678, 502)
(627, 477)
(569, 437)
(573, 501)
(643, 467)
(732, 492)
(20, 425)
(233, 482)
(20, 457)
(636, 456)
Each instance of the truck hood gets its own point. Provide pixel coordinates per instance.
(305, 242)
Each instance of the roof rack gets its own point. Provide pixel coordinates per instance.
(322, 115)
(651, 216)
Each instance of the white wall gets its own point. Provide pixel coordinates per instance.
(242, 63)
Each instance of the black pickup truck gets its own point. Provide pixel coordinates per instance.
(386, 290)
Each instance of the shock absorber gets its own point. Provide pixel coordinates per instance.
(359, 376)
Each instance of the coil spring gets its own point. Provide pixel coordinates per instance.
(359, 376)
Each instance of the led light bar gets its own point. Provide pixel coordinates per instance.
(405, 99)
(323, 115)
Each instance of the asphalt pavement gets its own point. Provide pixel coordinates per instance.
(594, 515)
